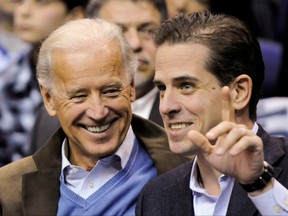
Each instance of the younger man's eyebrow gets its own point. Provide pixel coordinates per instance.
(186, 78)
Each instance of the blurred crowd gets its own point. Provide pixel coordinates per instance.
(19, 42)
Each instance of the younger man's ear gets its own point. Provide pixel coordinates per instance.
(242, 90)
(48, 101)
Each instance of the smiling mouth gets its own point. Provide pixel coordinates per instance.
(179, 126)
(98, 129)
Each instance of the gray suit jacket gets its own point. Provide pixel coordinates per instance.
(170, 194)
(30, 186)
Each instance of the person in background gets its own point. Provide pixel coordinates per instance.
(176, 7)
(102, 156)
(11, 47)
(12, 51)
(209, 71)
(20, 95)
(137, 19)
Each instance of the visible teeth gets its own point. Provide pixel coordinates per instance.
(97, 129)
(179, 126)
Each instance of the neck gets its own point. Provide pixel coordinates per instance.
(79, 160)
(208, 176)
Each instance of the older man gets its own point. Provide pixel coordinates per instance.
(137, 19)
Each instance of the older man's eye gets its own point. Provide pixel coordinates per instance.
(112, 92)
(77, 98)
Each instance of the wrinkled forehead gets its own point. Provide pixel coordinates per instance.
(95, 60)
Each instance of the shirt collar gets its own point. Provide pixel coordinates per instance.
(255, 128)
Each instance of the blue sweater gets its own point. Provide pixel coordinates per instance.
(116, 197)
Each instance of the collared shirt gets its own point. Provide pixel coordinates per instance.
(272, 202)
(205, 204)
(143, 106)
(85, 183)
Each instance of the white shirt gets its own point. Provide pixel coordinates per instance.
(85, 183)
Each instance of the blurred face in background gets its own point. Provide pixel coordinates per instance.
(185, 6)
(137, 19)
(7, 8)
(36, 19)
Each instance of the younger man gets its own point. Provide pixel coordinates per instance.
(209, 71)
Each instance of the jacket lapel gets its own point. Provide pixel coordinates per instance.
(155, 114)
(41, 189)
(41, 192)
(180, 192)
(240, 203)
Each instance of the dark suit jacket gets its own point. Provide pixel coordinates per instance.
(155, 113)
(45, 125)
(170, 194)
(30, 186)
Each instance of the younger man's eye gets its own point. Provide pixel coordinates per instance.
(186, 86)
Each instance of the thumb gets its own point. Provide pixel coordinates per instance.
(200, 141)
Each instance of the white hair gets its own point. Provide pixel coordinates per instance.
(75, 35)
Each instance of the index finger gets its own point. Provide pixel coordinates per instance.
(228, 113)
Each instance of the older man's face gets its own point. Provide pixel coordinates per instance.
(91, 99)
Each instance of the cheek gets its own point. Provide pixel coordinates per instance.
(195, 104)
(67, 111)
(123, 105)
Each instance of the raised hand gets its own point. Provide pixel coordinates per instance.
(231, 148)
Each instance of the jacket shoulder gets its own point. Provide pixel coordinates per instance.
(11, 176)
(11, 171)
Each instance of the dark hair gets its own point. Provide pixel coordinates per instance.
(71, 4)
(95, 5)
(234, 50)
